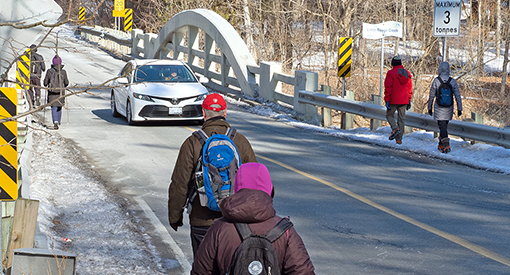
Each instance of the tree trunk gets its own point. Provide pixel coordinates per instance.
(505, 62)
(498, 29)
(248, 29)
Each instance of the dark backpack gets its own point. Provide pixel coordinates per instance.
(444, 93)
(256, 254)
(216, 169)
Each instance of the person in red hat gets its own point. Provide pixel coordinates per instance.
(214, 109)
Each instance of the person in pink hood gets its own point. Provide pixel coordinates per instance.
(252, 203)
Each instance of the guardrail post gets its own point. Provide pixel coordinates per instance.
(193, 43)
(326, 112)
(148, 44)
(375, 123)
(268, 84)
(135, 33)
(478, 118)
(306, 81)
(475, 118)
(347, 118)
(209, 47)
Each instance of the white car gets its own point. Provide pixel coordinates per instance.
(158, 89)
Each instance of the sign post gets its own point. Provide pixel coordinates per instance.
(447, 20)
(118, 11)
(379, 31)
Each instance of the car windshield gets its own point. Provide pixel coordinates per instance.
(163, 73)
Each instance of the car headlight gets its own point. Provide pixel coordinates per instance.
(142, 97)
(201, 97)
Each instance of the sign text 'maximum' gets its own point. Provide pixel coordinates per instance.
(448, 4)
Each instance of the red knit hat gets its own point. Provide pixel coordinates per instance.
(214, 102)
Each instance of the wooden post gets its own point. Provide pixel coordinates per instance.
(375, 123)
(326, 112)
(23, 227)
(348, 119)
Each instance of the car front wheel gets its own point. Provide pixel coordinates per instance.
(115, 113)
(129, 114)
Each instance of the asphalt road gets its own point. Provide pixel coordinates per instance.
(360, 208)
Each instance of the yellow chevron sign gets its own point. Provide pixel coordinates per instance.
(344, 57)
(23, 71)
(82, 14)
(128, 20)
(8, 145)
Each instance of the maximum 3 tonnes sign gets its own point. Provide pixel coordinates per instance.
(447, 17)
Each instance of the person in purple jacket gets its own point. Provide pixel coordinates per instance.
(252, 203)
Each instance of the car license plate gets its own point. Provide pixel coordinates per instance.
(175, 111)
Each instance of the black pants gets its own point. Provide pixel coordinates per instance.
(443, 128)
(197, 235)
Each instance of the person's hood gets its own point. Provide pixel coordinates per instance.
(248, 206)
(403, 76)
(253, 175)
(57, 67)
(444, 70)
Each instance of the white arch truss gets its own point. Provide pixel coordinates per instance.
(218, 33)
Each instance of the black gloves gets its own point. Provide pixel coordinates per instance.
(387, 105)
(176, 225)
(430, 111)
(408, 106)
(459, 112)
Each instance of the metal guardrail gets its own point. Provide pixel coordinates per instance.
(105, 35)
(469, 130)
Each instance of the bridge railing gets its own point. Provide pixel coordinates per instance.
(266, 81)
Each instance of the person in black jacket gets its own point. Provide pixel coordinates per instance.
(36, 68)
(56, 80)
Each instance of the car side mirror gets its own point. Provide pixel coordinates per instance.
(204, 80)
(123, 80)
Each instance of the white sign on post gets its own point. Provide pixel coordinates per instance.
(378, 31)
(447, 17)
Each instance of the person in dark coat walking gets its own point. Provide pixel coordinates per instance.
(252, 203)
(214, 109)
(37, 67)
(398, 92)
(444, 114)
(56, 80)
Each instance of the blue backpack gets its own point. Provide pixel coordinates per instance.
(216, 169)
(444, 93)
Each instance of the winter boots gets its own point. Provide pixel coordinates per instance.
(444, 145)
(394, 134)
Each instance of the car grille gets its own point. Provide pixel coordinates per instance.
(161, 111)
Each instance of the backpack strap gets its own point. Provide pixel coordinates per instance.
(279, 229)
(201, 136)
(243, 230)
(231, 133)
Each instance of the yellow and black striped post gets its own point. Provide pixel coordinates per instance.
(23, 71)
(8, 145)
(128, 20)
(344, 57)
(82, 15)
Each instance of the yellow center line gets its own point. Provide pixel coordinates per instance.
(464, 243)
(473, 247)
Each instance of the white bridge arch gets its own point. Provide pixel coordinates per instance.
(180, 37)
